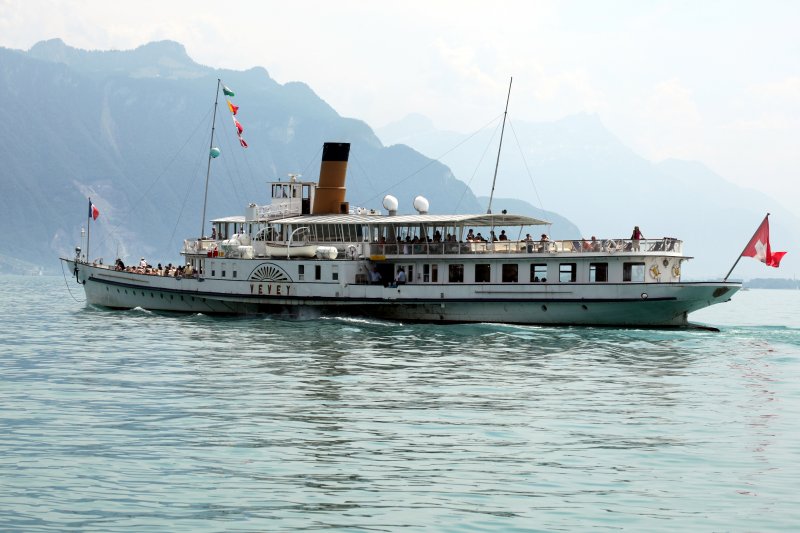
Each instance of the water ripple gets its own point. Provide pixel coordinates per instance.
(121, 420)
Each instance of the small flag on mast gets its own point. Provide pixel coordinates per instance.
(93, 211)
(227, 92)
(233, 108)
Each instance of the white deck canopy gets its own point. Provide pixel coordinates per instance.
(480, 220)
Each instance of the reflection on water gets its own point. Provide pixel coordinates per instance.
(156, 421)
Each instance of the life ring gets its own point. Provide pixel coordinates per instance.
(352, 251)
(655, 273)
(676, 270)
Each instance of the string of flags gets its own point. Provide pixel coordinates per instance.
(234, 109)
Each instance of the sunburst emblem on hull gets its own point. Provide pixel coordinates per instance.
(268, 272)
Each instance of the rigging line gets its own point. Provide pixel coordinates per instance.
(475, 172)
(125, 214)
(66, 284)
(250, 172)
(189, 189)
(355, 159)
(432, 161)
(319, 150)
(232, 160)
(528, 170)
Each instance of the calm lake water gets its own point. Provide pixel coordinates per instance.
(139, 421)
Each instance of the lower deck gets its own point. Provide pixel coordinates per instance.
(274, 287)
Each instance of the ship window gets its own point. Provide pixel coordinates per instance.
(598, 272)
(301, 272)
(538, 272)
(317, 272)
(223, 273)
(566, 272)
(335, 272)
(510, 273)
(455, 273)
(213, 273)
(234, 273)
(430, 273)
(633, 272)
(483, 273)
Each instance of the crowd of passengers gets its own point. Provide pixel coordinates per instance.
(170, 270)
(471, 237)
(540, 245)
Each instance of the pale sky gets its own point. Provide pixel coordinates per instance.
(714, 81)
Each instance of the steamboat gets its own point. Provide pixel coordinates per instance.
(307, 249)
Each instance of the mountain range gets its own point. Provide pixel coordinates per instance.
(576, 167)
(130, 129)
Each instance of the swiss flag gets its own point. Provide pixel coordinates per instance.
(759, 247)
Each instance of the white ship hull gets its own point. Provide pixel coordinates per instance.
(599, 304)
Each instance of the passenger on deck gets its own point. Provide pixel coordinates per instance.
(543, 240)
(503, 236)
(528, 243)
(470, 236)
(374, 276)
(400, 278)
(591, 246)
(479, 238)
(492, 236)
(119, 265)
(635, 237)
(214, 233)
(142, 263)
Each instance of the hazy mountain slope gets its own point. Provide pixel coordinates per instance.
(582, 171)
(131, 129)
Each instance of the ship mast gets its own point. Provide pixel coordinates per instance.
(208, 170)
(497, 164)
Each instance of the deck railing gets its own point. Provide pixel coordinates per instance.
(606, 246)
(647, 246)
